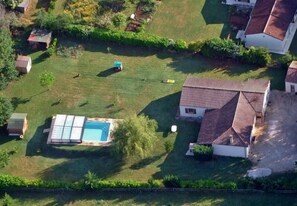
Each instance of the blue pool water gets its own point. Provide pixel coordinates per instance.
(95, 131)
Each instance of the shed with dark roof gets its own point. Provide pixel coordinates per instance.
(40, 38)
(17, 124)
(229, 110)
(291, 78)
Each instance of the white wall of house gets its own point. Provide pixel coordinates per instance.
(274, 45)
(230, 151)
(291, 87)
(199, 112)
(250, 3)
(266, 98)
(264, 40)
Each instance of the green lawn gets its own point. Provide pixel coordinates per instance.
(201, 199)
(99, 92)
(190, 19)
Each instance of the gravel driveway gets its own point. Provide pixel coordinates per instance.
(275, 144)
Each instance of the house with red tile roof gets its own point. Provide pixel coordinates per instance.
(272, 25)
(228, 110)
(291, 78)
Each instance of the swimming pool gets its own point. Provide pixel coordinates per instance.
(95, 131)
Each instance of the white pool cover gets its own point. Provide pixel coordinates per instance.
(66, 128)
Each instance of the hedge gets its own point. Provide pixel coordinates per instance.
(202, 152)
(122, 37)
(213, 48)
(169, 181)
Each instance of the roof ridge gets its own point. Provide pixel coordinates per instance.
(270, 14)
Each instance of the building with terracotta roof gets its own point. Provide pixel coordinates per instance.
(228, 110)
(272, 25)
(291, 78)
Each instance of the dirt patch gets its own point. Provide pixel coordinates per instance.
(140, 16)
(275, 146)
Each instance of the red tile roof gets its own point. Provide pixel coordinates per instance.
(292, 73)
(235, 119)
(272, 17)
(216, 92)
(231, 108)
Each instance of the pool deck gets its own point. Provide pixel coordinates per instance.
(113, 125)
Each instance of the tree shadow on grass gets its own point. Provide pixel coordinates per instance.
(16, 101)
(42, 57)
(159, 110)
(214, 12)
(186, 167)
(145, 162)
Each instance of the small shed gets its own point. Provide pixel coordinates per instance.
(291, 78)
(23, 6)
(23, 64)
(40, 38)
(17, 124)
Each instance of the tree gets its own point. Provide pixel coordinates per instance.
(6, 109)
(46, 79)
(135, 136)
(7, 58)
(10, 3)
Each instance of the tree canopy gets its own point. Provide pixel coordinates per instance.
(135, 136)
(46, 79)
(6, 109)
(7, 58)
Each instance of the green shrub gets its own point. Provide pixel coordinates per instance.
(202, 153)
(7, 200)
(4, 158)
(119, 19)
(154, 183)
(168, 144)
(220, 48)
(209, 184)
(257, 56)
(172, 181)
(285, 60)
(180, 45)
(195, 46)
(52, 48)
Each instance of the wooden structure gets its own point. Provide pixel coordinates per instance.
(23, 64)
(40, 38)
(17, 124)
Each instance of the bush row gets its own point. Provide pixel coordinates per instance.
(169, 181)
(214, 48)
(227, 48)
(122, 37)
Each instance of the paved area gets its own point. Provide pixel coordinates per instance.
(275, 146)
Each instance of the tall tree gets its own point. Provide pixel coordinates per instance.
(6, 109)
(7, 58)
(135, 137)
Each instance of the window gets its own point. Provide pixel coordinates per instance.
(190, 111)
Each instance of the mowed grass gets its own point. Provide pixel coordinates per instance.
(201, 199)
(100, 92)
(190, 19)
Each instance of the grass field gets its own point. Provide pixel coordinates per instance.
(99, 92)
(190, 19)
(122, 199)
